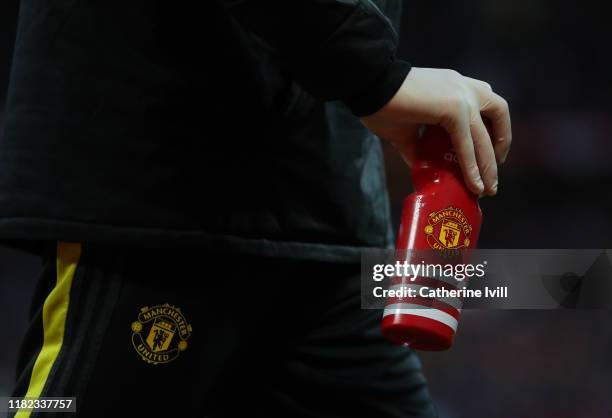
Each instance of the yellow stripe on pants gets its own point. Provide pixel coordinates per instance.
(55, 310)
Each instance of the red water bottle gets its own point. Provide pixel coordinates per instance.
(439, 225)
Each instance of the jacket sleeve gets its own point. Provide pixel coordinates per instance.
(336, 49)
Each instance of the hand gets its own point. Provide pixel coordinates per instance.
(445, 97)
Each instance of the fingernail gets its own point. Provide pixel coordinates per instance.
(494, 188)
(479, 184)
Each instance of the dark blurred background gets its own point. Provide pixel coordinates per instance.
(551, 60)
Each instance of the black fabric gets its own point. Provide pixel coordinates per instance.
(33, 339)
(268, 338)
(337, 50)
(143, 124)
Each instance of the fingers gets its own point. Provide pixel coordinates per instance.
(485, 155)
(494, 148)
(495, 108)
(458, 127)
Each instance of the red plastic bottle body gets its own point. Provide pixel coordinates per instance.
(443, 218)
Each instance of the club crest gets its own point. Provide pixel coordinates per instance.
(448, 229)
(160, 334)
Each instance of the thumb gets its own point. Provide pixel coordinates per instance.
(406, 142)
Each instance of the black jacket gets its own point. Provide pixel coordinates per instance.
(141, 123)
